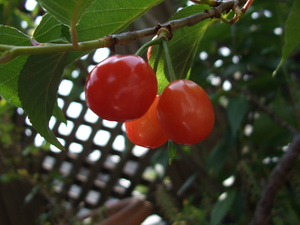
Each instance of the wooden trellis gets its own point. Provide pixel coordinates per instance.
(98, 163)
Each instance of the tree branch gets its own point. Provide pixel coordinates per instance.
(10, 52)
(262, 215)
(265, 108)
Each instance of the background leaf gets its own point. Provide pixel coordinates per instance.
(38, 85)
(220, 152)
(221, 208)
(236, 111)
(292, 33)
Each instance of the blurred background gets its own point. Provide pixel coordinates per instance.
(218, 181)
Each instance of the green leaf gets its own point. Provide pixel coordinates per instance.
(220, 152)
(9, 80)
(97, 18)
(292, 33)
(66, 11)
(183, 46)
(12, 36)
(38, 85)
(171, 150)
(10, 71)
(59, 114)
(50, 30)
(189, 37)
(100, 19)
(236, 111)
(110, 17)
(221, 207)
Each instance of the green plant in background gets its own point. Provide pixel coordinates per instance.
(187, 214)
(7, 127)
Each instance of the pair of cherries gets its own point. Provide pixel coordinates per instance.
(124, 89)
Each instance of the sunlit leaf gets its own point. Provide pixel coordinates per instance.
(183, 46)
(10, 71)
(266, 131)
(9, 80)
(50, 30)
(12, 36)
(110, 17)
(97, 18)
(66, 11)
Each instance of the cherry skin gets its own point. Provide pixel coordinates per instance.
(149, 50)
(185, 112)
(146, 130)
(121, 88)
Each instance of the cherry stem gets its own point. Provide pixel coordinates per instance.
(157, 57)
(168, 61)
(144, 47)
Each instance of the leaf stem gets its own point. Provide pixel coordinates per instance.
(46, 48)
(5, 47)
(157, 57)
(144, 47)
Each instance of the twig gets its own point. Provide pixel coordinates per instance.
(262, 215)
(10, 52)
(266, 109)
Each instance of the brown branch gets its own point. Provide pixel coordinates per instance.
(11, 52)
(127, 37)
(274, 116)
(212, 3)
(265, 108)
(262, 215)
